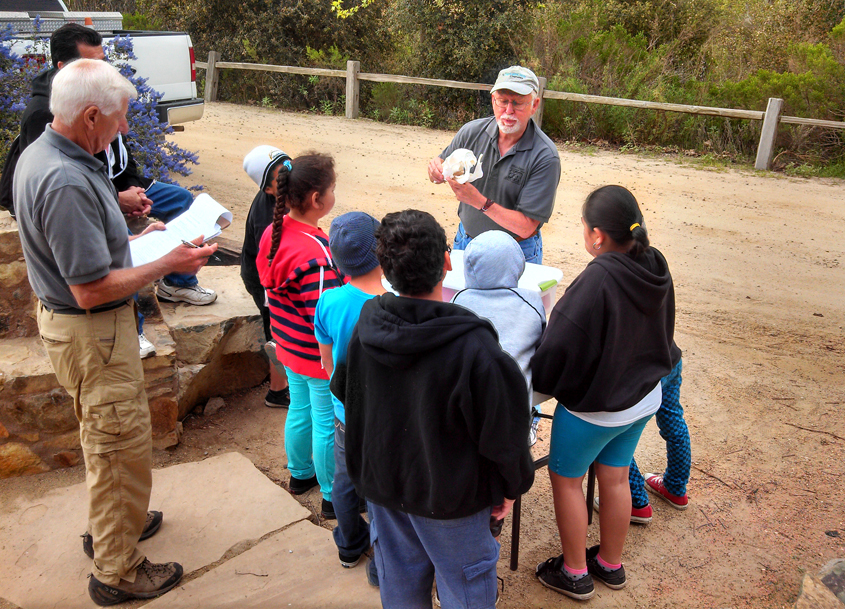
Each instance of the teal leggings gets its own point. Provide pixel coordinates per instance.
(309, 430)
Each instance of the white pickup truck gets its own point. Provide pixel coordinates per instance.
(165, 59)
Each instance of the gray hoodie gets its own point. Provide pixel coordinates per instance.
(493, 264)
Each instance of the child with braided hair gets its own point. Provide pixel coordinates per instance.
(295, 267)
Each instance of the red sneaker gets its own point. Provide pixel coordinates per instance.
(638, 515)
(654, 483)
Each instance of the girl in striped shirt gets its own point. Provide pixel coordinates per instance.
(295, 267)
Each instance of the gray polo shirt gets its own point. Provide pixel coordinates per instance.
(71, 227)
(525, 179)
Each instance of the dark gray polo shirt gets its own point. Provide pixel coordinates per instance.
(525, 179)
(71, 227)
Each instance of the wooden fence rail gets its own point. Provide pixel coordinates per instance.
(353, 75)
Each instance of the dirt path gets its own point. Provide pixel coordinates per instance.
(757, 262)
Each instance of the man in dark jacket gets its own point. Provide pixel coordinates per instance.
(137, 194)
(435, 426)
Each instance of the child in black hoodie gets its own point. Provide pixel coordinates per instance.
(608, 343)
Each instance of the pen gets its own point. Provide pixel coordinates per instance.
(189, 244)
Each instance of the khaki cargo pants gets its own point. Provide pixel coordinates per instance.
(95, 357)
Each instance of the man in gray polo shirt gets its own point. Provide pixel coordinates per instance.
(79, 265)
(521, 168)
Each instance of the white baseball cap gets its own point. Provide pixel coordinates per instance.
(260, 162)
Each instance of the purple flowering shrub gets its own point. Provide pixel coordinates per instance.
(16, 74)
(156, 157)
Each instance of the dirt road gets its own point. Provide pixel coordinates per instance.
(758, 268)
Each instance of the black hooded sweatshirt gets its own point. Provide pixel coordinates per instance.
(436, 412)
(609, 340)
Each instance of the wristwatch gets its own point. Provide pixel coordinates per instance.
(487, 204)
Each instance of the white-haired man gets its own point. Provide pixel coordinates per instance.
(521, 168)
(79, 265)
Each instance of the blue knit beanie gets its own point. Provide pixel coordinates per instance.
(352, 241)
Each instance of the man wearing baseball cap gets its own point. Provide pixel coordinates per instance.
(263, 164)
(521, 167)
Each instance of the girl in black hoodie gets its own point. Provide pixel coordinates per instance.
(608, 343)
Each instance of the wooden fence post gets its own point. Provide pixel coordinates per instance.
(538, 116)
(353, 86)
(768, 134)
(212, 76)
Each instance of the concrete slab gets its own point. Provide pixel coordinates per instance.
(297, 567)
(208, 506)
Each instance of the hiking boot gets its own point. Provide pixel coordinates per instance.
(147, 348)
(151, 580)
(297, 486)
(551, 575)
(641, 515)
(327, 510)
(277, 399)
(654, 483)
(614, 579)
(194, 294)
(151, 527)
(347, 561)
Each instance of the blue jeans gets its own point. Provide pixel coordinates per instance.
(352, 533)
(673, 429)
(309, 430)
(168, 202)
(411, 551)
(531, 247)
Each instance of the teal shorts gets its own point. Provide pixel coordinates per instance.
(576, 444)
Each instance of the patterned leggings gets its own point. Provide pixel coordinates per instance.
(673, 429)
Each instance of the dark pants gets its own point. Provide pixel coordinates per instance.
(352, 533)
(673, 429)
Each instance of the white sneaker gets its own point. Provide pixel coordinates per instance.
(194, 295)
(532, 432)
(147, 348)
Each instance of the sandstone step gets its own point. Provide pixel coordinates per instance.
(17, 301)
(212, 508)
(201, 352)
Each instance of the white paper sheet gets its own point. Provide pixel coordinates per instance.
(204, 217)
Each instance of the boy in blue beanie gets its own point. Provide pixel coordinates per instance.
(352, 241)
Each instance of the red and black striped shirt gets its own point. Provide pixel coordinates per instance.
(300, 271)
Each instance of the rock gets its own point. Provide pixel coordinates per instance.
(815, 595)
(17, 460)
(169, 439)
(64, 442)
(833, 576)
(66, 458)
(163, 413)
(213, 405)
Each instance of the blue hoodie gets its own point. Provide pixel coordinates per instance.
(493, 264)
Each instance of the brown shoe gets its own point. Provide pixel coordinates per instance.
(151, 527)
(151, 580)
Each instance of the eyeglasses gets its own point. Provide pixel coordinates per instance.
(503, 103)
(448, 249)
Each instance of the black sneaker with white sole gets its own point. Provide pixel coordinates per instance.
(552, 576)
(347, 561)
(612, 578)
